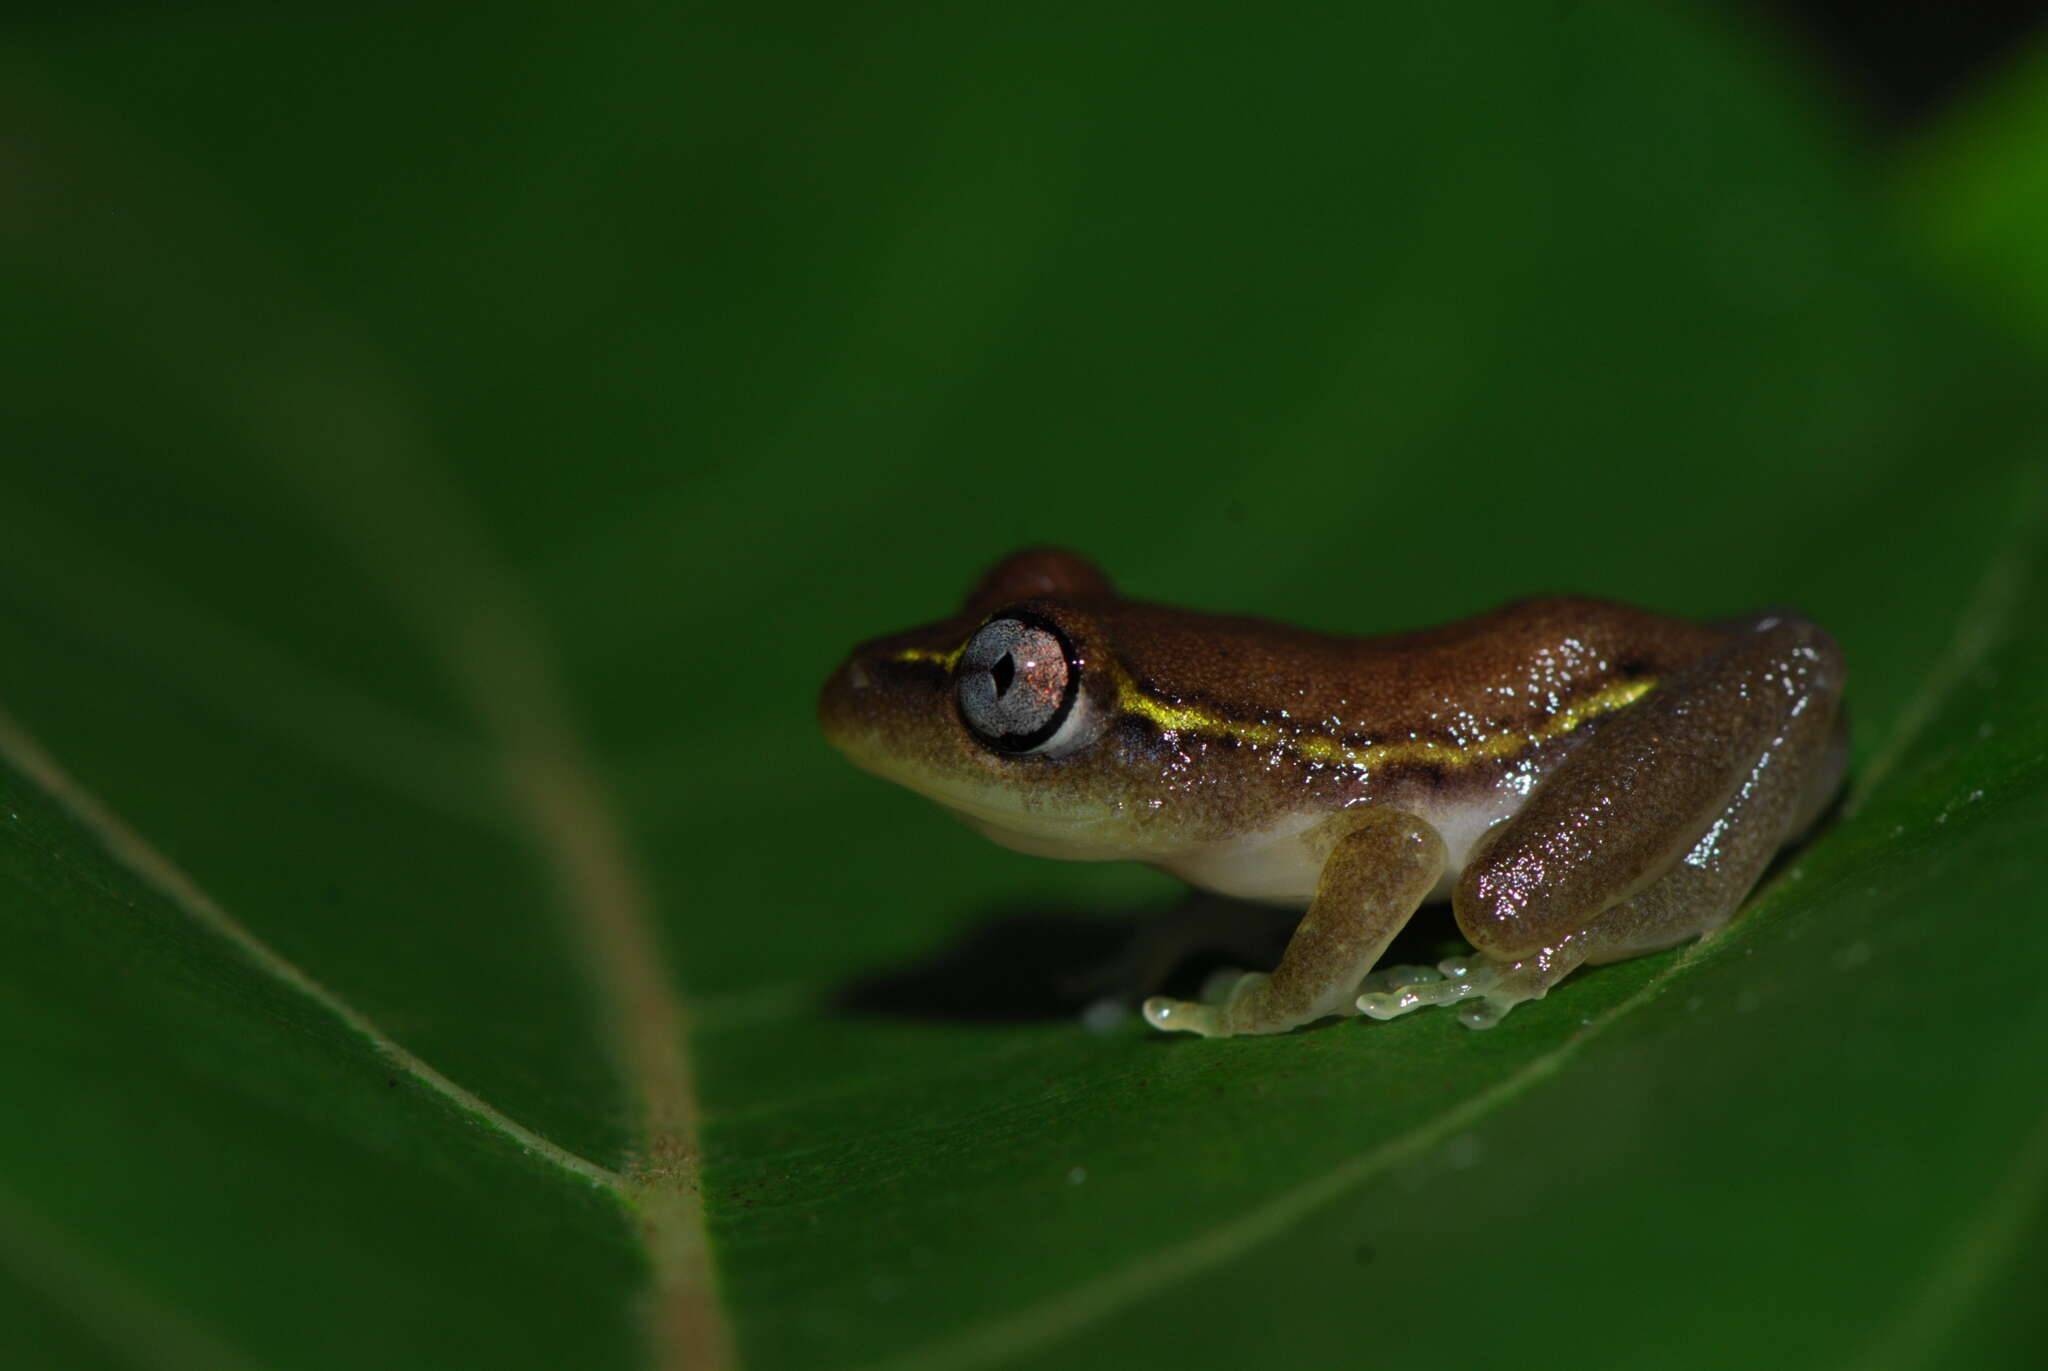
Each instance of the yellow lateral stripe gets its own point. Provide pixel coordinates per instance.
(1317, 747)
(948, 660)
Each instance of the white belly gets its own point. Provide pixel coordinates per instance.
(1279, 865)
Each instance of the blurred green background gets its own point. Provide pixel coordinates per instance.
(445, 448)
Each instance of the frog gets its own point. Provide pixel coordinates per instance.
(1582, 780)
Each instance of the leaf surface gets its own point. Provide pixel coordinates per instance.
(445, 453)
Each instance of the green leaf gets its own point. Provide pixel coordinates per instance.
(1975, 190)
(445, 452)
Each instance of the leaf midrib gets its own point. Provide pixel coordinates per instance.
(131, 850)
(295, 382)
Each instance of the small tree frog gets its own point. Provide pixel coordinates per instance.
(1583, 781)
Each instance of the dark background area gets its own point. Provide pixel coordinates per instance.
(1902, 64)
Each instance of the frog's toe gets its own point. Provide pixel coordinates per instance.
(1483, 989)
(1227, 984)
(1472, 981)
(1182, 1016)
(1218, 1014)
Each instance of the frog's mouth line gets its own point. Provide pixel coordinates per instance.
(995, 807)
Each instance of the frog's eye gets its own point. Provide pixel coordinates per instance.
(1017, 684)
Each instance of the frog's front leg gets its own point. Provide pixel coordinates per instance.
(1382, 864)
(1651, 832)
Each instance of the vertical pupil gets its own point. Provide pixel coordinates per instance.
(1004, 672)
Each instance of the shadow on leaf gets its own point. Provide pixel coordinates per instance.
(1036, 963)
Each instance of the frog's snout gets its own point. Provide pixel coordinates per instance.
(839, 702)
(889, 701)
(855, 700)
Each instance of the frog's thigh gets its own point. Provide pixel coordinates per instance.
(1381, 866)
(1657, 827)
(1730, 744)
(1698, 894)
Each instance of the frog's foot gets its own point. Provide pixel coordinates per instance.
(1227, 1006)
(1484, 989)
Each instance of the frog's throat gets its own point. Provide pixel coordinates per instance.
(1001, 810)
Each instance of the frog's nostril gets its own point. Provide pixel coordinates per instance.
(857, 676)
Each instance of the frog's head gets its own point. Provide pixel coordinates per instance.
(999, 712)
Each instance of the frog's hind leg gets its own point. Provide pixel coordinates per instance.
(1685, 902)
(1651, 832)
(1381, 866)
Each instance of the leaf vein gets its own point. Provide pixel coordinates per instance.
(139, 856)
(1960, 1271)
(118, 1315)
(337, 435)
(1992, 607)
(1011, 1336)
